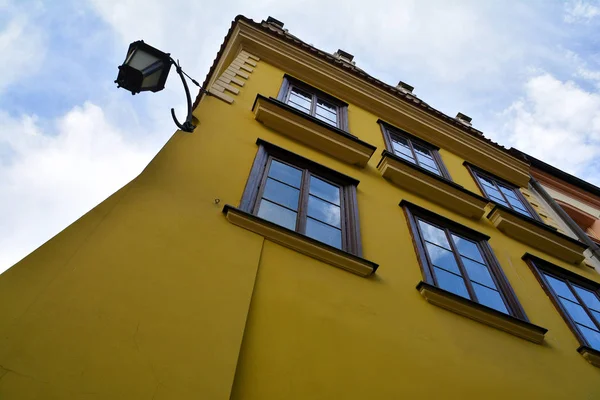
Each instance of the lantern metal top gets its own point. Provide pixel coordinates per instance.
(145, 68)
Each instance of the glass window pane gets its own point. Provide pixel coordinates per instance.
(422, 151)
(478, 272)
(326, 106)
(323, 233)
(281, 193)
(433, 234)
(326, 111)
(522, 211)
(431, 169)
(442, 258)
(277, 214)
(486, 181)
(499, 200)
(324, 211)
(467, 248)
(426, 161)
(577, 313)
(326, 120)
(451, 282)
(592, 336)
(400, 141)
(518, 205)
(402, 150)
(405, 156)
(285, 173)
(324, 190)
(515, 202)
(596, 315)
(493, 192)
(508, 192)
(300, 99)
(490, 298)
(560, 288)
(589, 298)
(293, 102)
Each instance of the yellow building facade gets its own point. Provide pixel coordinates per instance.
(320, 235)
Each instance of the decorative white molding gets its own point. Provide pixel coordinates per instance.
(241, 67)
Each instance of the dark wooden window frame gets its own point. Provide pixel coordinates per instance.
(342, 107)
(351, 241)
(389, 131)
(539, 267)
(474, 171)
(413, 212)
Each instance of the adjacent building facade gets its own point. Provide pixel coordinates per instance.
(320, 235)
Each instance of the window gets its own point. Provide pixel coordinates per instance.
(413, 150)
(503, 193)
(314, 102)
(303, 196)
(459, 260)
(576, 299)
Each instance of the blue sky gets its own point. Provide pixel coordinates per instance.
(528, 73)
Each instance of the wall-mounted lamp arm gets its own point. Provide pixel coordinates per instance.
(187, 126)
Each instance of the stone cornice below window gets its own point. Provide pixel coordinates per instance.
(591, 355)
(301, 243)
(537, 234)
(431, 186)
(309, 130)
(481, 313)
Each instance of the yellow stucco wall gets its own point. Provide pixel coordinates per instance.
(153, 294)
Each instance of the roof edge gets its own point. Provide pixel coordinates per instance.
(554, 171)
(420, 104)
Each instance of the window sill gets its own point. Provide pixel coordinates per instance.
(537, 234)
(591, 355)
(307, 129)
(431, 186)
(481, 313)
(303, 244)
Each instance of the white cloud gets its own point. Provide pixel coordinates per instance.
(56, 172)
(558, 122)
(22, 47)
(450, 42)
(590, 75)
(581, 11)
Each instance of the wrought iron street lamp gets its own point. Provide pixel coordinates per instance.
(146, 69)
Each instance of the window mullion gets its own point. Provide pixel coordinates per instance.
(412, 149)
(503, 195)
(582, 304)
(313, 106)
(303, 205)
(288, 94)
(461, 266)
